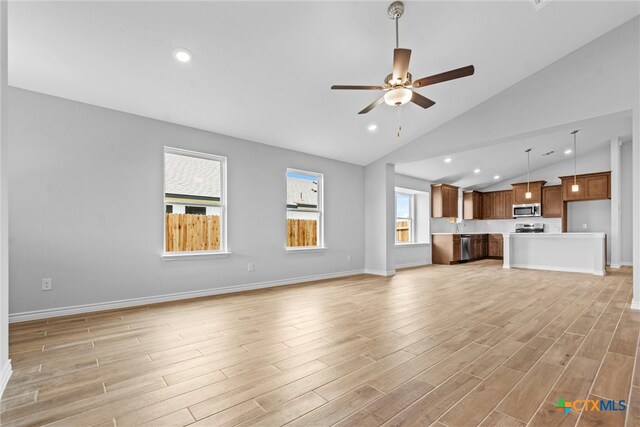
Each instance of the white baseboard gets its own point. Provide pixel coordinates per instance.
(5, 374)
(616, 266)
(413, 264)
(88, 308)
(626, 263)
(380, 272)
(635, 304)
(555, 268)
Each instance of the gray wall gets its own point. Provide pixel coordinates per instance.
(5, 363)
(626, 203)
(86, 201)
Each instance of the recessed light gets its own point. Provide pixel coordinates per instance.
(568, 151)
(476, 171)
(182, 55)
(372, 127)
(496, 177)
(448, 160)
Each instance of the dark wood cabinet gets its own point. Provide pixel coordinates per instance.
(444, 201)
(520, 190)
(507, 213)
(497, 204)
(552, 201)
(472, 206)
(445, 248)
(592, 186)
(478, 246)
(495, 245)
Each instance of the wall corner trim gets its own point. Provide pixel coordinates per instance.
(132, 302)
(5, 374)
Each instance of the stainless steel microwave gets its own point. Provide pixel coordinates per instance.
(527, 210)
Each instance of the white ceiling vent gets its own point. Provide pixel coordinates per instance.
(539, 4)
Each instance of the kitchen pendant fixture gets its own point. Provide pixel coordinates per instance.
(575, 187)
(527, 195)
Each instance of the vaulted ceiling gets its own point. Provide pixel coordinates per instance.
(262, 70)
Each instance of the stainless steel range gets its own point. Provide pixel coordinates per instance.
(530, 228)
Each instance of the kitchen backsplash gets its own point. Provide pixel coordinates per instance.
(442, 225)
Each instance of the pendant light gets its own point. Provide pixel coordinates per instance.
(575, 187)
(527, 195)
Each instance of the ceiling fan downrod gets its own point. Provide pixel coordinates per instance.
(395, 11)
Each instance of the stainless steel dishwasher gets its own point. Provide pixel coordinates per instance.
(465, 247)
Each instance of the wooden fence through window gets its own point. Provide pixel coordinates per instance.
(302, 232)
(402, 231)
(188, 232)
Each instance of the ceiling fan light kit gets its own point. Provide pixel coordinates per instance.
(399, 84)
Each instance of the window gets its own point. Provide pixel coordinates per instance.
(194, 199)
(404, 217)
(304, 209)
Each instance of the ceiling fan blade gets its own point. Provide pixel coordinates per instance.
(373, 105)
(422, 101)
(351, 87)
(446, 76)
(401, 58)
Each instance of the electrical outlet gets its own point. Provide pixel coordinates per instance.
(584, 226)
(47, 284)
(250, 267)
(349, 258)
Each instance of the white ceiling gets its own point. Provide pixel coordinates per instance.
(509, 160)
(262, 70)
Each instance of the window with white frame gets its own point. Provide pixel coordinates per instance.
(194, 199)
(304, 209)
(405, 217)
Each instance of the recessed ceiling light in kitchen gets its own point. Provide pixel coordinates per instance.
(568, 151)
(372, 127)
(448, 160)
(182, 55)
(476, 171)
(496, 177)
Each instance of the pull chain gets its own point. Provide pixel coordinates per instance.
(399, 121)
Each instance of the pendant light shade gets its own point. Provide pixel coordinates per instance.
(527, 195)
(575, 187)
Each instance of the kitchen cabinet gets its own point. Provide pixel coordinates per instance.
(444, 201)
(520, 189)
(552, 201)
(478, 246)
(497, 204)
(494, 245)
(593, 186)
(507, 213)
(445, 248)
(472, 207)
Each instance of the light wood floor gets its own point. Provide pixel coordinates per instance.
(445, 345)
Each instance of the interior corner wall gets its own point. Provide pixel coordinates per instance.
(419, 253)
(86, 209)
(5, 362)
(379, 219)
(626, 203)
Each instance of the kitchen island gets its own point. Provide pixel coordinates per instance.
(573, 252)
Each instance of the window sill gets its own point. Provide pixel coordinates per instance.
(305, 249)
(176, 256)
(410, 245)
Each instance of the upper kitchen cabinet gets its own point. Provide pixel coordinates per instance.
(552, 201)
(520, 190)
(444, 201)
(472, 205)
(497, 204)
(592, 186)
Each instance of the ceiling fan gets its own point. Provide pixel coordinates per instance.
(399, 84)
